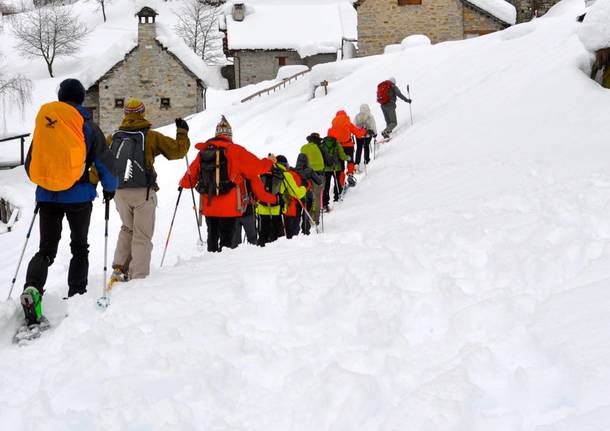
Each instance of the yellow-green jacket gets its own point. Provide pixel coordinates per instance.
(288, 187)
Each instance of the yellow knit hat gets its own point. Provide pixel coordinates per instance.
(134, 106)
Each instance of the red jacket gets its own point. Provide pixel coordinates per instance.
(342, 129)
(241, 165)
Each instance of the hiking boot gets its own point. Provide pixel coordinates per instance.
(118, 275)
(385, 134)
(351, 181)
(31, 301)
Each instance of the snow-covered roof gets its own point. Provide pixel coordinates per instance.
(594, 32)
(500, 9)
(308, 27)
(209, 75)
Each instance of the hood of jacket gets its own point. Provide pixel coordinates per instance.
(364, 109)
(135, 121)
(219, 141)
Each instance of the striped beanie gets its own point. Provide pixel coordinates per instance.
(224, 128)
(134, 106)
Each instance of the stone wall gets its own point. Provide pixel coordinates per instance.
(527, 9)
(479, 24)
(252, 67)
(148, 73)
(383, 22)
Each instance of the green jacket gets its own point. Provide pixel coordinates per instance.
(314, 156)
(287, 187)
(335, 152)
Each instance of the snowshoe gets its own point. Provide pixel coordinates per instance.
(351, 181)
(28, 332)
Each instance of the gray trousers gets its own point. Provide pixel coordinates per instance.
(134, 247)
(317, 191)
(389, 113)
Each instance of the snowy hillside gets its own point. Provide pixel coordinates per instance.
(463, 284)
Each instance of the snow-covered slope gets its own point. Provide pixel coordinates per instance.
(463, 285)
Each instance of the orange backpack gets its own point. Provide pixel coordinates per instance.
(59, 149)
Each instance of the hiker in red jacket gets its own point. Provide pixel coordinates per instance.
(219, 173)
(342, 130)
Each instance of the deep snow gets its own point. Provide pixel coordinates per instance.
(463, 285)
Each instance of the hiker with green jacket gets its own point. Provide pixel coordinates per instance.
(279, 181)
(316, 162)
(136, 205)
(333, 156)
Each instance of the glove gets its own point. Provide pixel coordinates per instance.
(181, 124)
(179, 188)
(108, 196)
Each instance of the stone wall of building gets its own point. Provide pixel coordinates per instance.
(149, 73)
(252, 67)
(384, 22)
(476, 23)
(527, 9)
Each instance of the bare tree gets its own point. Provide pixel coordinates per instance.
(198, 27)
(15, 91)
(49, 32)
(103, 4)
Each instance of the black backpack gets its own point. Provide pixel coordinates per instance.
(130, 168)
(273, 180)
(213, 173)
(329, 152)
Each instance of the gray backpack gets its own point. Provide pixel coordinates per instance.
(128, 150)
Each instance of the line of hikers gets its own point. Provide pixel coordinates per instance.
(266, 197)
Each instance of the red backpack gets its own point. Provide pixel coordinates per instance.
(383, 92)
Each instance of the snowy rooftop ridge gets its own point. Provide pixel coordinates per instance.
(209, 75)
(308, 28)
(499, 9)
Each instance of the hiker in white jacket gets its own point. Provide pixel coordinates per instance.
(364, 120)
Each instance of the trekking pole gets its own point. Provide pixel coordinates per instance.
(320, 208)
(106, 218)
(188, 171)
(27, 238)
(375, 148)
(302, 206)
(169, 234)
(410, 106)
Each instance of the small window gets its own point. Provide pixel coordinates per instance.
(165, 103)
(119, 103)
(281, 61)
(408, 2)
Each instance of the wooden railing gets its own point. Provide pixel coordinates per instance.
(22, 139)
(277, 86)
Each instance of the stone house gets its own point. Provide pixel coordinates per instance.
(151, 72)
(386, 22)
(260, 40)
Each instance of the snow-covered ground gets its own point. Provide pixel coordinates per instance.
(463, 284)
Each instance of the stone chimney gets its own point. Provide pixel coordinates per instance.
(146, 26)
(239, 11)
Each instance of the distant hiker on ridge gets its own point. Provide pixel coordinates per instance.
(135, 147)
(64, 134)
(387, 92)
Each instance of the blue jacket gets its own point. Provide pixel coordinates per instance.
(98, 153)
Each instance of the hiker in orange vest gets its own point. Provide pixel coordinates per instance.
(342, 130)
